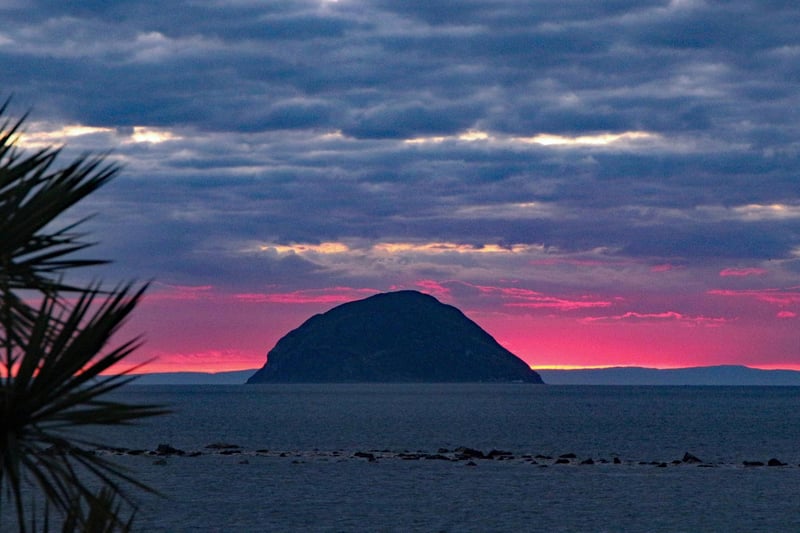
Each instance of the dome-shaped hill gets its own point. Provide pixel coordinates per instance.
(403, 336)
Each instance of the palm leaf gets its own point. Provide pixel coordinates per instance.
(55, 355)
(58, 387)
(32, 197)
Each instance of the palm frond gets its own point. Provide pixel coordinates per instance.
(33, 253)
(55, 356)
(101, 516)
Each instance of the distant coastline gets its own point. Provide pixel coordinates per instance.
(236, 377)
(723, 375)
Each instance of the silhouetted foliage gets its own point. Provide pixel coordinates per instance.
(55, 349)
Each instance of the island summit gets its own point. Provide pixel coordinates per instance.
(394, 337)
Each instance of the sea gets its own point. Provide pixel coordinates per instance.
(396, 457)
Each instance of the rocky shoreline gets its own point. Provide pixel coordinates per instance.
(463, 455)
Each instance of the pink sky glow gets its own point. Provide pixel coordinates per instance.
(204, 329)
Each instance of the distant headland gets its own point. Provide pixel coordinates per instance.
(394, 337)
(725, 375)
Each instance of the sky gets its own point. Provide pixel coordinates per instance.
(594, 183)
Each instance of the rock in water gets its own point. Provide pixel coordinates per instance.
(403, 336)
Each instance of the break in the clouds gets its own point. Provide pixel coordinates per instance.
(622, 176)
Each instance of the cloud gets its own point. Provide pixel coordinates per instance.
(655, 318)
(508, 298)
(321, 248)
(582, 151)
(666, 267)
(779, 296)
(163, 291)
(742, 272)
(328, 295)
(432, 287)
(524, 298)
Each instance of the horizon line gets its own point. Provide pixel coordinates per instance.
(664, 367)
(565, 368)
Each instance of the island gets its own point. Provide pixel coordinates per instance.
(394, 337)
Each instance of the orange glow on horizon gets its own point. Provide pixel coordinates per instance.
(779, 366)
(579, 367)
(157, 367)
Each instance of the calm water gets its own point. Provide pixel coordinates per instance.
(320, 487)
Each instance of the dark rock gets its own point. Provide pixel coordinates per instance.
(403, 336)
(617, 461)
(462, 452)
(661, 465)
(540, 456)
(410, 456)
(366, 455)
(689, 458)
(113, 449)
(752, 463)
(222, 446)
(136, 452)
(498, 454)
(56, 449)
(442, 450)
(437, 456)
(166, 449)
(567, 456)
(588, 461)
(230, 452)
(775, 462)
(562, 461)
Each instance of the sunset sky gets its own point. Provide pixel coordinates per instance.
(594, 183)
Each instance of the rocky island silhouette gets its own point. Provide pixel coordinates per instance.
(393, 337)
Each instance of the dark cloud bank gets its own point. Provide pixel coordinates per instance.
(614, 133)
